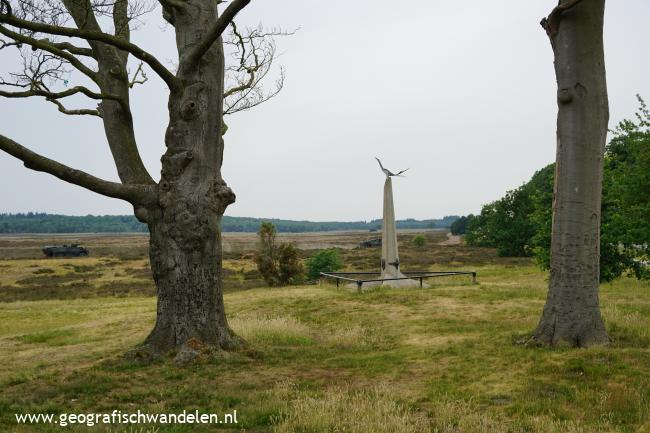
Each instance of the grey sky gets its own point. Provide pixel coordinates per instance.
(460, 92)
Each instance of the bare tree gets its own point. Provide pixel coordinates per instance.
(183, 210)
(253, 53)
(571, 315)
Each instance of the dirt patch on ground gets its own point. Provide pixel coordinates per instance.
(452, 240)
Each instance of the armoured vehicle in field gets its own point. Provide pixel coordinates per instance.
(370, 243)
(73, 250)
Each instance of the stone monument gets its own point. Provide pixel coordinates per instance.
(390, 265)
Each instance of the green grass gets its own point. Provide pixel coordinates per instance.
(442, 359)
(53, 337)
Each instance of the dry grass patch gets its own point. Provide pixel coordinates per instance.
(280, 330)
(626, 327)
(354, 336)
(346, 410)
(383, 409)
(449, 416)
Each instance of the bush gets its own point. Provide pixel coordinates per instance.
(290, 269)
(418, 241)
(265, 256)
(323, 261)
(278, 264)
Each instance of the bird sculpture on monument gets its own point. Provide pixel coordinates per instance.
(387, 172)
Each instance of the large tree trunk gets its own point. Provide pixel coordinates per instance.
(571, 315)
(185, 245)
(185, 252)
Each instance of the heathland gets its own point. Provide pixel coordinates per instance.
(448, 358)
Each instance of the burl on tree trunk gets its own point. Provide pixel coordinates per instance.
(571, 315)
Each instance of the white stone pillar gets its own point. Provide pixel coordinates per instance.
(390, 265)
(389, 253)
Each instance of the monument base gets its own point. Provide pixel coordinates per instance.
(407, 283)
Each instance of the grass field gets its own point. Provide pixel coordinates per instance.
(444, 359)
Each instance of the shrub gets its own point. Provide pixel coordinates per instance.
(418, 241)
(290, 269)
(278, 264)
(265, 255)
(324, 261)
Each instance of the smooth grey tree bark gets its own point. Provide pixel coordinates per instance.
(571, 315)
(184, 210)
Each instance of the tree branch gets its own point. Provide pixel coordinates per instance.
(57, 95)
(135, 80)
(121, 23)
(245, 101)
(4, 44)
(99, 36)
(215, 32)
(52, 48)
(112, 62)
(132, 193)
(77, 112)
(79, 51)
(255, 53)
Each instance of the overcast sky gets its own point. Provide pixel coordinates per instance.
(461, 92)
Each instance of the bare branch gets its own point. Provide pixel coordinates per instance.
(40, 70)
(41, 67)
(135, 80)
(57, 95)
(132, 193)
(54, 97)
(79, 51)
(215, 32)
(53, 48)
(16, 84)
(254, 52)
(98, 36)
(4, 44)
(253, 97)
(76, 112)
(112, 62)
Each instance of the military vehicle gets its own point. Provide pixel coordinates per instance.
(369, 243)
(73, 250)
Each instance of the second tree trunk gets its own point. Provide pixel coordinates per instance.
(571, 315)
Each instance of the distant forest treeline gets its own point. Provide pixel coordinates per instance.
(48, 223)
